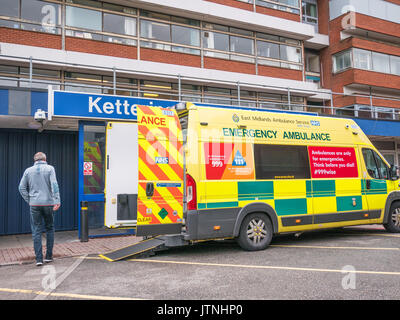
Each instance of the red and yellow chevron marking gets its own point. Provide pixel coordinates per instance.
(160, 162)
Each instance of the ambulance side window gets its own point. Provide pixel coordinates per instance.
(281, 162)
(382, 167)
(376, 167)
(183, 119)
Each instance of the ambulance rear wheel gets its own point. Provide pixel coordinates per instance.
(255, 232)
(393, 224)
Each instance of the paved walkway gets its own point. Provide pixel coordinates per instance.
(18, 249)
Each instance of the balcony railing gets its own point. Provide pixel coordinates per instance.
(179, 91)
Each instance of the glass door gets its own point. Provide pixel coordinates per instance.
(92, 141)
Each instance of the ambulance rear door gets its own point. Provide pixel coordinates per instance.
(160, 188)
(121, 175)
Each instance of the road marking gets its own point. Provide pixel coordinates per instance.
(261, 267)
(65, 295)
(60, 279)
(366, 234)
(331, 247)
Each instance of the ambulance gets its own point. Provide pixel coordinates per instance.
(211, 172)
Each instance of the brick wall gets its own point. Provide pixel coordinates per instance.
(234, 3)
(394, 1)
(101, 48)
(30, 38)
(343, 101)
(227, 65)
(366, 45)
(323, 16)
(259, 9)
(170, 57)
(278, 13)
(280, 73)
(369, 78)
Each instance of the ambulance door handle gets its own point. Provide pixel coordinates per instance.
(149, 189)
(368, 184)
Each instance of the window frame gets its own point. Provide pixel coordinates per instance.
(376, 156)
(304, 174)
(342, 54)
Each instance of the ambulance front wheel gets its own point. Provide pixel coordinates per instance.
(255, 232)
(393, 224)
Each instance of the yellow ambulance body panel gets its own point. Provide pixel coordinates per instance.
(302, 171)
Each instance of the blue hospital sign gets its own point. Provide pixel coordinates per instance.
(98, 106)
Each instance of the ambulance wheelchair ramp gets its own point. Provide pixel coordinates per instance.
(134, 249)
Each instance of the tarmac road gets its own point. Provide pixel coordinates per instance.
(348, 264)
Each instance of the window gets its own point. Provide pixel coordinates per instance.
(366, 60)
(291, 6)
(185, 35)
(83, 18)
(312, 61)
(242, 45)
(382, 167)
(370, 163)
(170, 33)
(119, 24)
(380, 62)
(268, 49)
(342, 61)
(362, 59)
(376, 167)
(281, 162)
(310, 13)
(46, 13)
(395, 65)
(155, 30)
(9, 8)
(289, 53)
(215, 40)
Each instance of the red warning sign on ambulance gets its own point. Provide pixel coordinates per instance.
(333, 162)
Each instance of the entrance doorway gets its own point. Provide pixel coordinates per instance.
(92, 145)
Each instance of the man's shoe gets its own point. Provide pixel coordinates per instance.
(39, 263)
(48, 260)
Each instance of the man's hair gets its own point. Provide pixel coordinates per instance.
(39, 156)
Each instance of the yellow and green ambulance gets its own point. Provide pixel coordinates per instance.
(212, 172)
(252, 174)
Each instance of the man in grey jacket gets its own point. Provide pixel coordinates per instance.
(39, 188)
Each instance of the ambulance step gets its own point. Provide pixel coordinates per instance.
(134, 249)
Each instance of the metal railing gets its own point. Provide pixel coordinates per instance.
(365, 110)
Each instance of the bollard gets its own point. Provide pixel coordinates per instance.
(84, 222)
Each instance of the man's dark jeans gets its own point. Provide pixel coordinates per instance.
(42, 219)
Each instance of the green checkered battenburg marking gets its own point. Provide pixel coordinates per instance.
(323, 188)
(250, 190)
(376, 187)
(264, 190)
(284, 207)
(349, 203)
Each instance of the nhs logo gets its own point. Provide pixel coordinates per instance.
(315, 123)
(98, 106)
(161, 160)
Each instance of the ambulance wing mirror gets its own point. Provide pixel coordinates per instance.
(394, 172)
